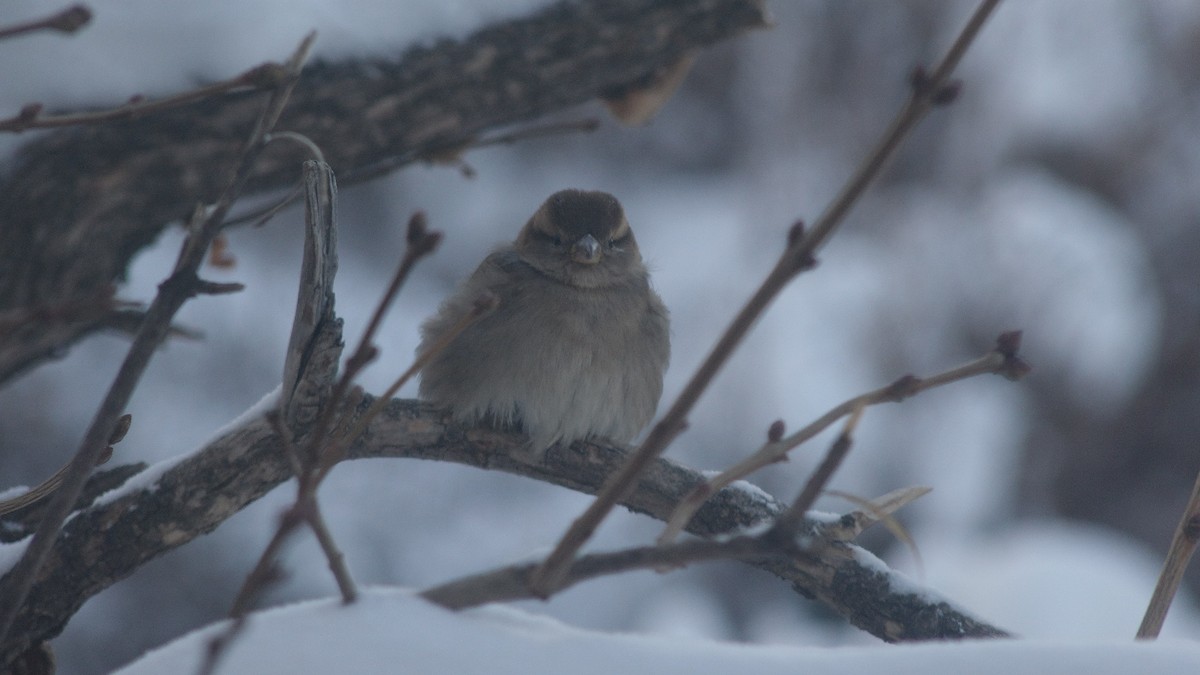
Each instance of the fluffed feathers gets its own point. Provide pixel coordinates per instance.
(579, 342)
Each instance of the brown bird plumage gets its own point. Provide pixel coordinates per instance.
(579, 342)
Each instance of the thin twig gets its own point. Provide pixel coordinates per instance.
(586, 126)
(48, 486)
(789, 522)
(324, 447)
(927, 92)
(484, 304)
(421, 242)
(304, 379)
(310, 511)
(171, 296)
(66, 21)
(98, 304)
(267, 76)
(306, 509)
(265, 571)
(882, 513)
(1003, 360)
(514, 582)
(382, 168)
(321, 452)
(797, 258)
(337, 561)
(299, 139)
(1183, 546)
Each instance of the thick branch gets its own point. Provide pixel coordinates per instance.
(106, 543)
(128, 179)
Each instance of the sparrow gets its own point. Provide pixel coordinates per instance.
(576, 347)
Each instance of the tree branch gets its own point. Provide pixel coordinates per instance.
(797, 257)
(66, 21)
(172, 293)
(1003, 360)
(1183, 546)
(130, 178)
(109, 541)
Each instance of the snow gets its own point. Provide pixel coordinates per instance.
(13, 492)
(148, 477)
(392, 630)
(1053, 580)
(264, 405)
(980, 237)
(11, 553)
(753, 491)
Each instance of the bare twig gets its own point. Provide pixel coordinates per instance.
(325, 448)
(881, 510)
(171, 295)
(67, 21)
(421, 242)
(313, 306)
(788, 524)
(265, 570)
(586, 126)
(1002, 360)
(305, 510)
(373, 171)
(337, 561)
(797, 258)
(315, 292)
(266, 76)
(48, 486)
(299, 139)
(265, 573)
(485, 303)
(304, 383)
(1183, 546)
(928, 90)
(514, 582)
(99, 304)
(331, 449)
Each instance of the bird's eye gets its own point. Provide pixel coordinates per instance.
(618, 242)
(547, 238)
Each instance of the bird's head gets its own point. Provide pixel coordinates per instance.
(581, 238)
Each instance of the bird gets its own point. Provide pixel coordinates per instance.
(578, 343)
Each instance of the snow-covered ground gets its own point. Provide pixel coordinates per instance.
(390, 630)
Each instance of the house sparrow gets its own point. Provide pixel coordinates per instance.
(576, 347)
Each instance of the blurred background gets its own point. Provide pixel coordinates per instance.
(1060, 195)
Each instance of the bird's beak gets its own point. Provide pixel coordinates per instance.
(586, 250)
